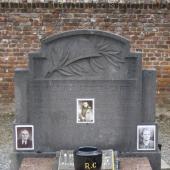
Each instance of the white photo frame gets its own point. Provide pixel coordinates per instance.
(146, 137)
(24, 137)
(85, 110)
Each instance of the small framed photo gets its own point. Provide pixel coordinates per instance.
(146, 137)
(24, 137)
(85, 111)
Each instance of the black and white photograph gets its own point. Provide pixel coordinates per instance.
(146, 137)
(85, 111)
(24, 135)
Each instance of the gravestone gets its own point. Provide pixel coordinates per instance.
(86, 65)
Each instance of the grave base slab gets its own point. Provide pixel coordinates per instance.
(141, 163)
(49, 161)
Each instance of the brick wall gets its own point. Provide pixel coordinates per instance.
(86, 1)
(147, 26)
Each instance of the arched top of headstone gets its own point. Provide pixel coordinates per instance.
(84, 53)
(65, 34)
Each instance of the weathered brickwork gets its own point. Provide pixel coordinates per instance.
(146, 26)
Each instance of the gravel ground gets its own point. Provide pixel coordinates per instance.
(6, 139)
(164, 137)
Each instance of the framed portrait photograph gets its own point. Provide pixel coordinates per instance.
(85, 111)
(24, 137)
(146, 137)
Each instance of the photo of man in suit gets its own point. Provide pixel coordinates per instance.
(24, 142)
(24, 137)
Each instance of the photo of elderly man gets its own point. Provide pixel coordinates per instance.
(24, 137)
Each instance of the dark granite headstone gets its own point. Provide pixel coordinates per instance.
(85, 64)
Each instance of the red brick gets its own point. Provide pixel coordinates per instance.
(20, 28)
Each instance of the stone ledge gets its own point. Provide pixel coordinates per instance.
(37, 164)
(134, 163)
(131, 163)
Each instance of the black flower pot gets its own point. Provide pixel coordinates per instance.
(87, 158)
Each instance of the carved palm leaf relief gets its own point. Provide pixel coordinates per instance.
(83, 57)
